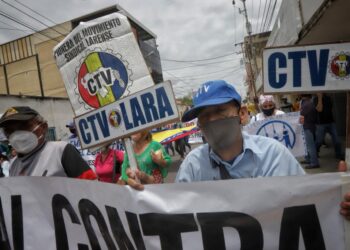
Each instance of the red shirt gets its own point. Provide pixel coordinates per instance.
(104, 169)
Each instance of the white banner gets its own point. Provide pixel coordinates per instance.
(284, 128)
(307, 68)
(283, 213)
(100, 62)
(146, 109)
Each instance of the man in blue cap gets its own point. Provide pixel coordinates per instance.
(230, 153)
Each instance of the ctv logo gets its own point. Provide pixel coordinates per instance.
(102, 79)
(340, 66)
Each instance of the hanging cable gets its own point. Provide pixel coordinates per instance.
(263, 16)
(257, 23)
(272, 14)
(21, 11)
(198, 65)
(25, 25)
(267, 14)
(199, 60)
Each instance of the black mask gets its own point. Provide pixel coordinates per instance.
(222, 133)
(268, 112)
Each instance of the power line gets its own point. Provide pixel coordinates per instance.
(3, 28)
(197, 65)
(257, 23)
(32, 17)
(263, 15)
(267, 14)
(199, 60)
(273, 10)
(208, 73)
(13, 26)
(204, 75)
(234, 24)
(25, 25)
(35, 12)
(39, 14)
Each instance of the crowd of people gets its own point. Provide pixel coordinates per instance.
(228, 152)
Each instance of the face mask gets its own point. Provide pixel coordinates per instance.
(222, 134)
(268, 112)
(24, 141)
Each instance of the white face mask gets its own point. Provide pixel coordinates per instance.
(24, 141)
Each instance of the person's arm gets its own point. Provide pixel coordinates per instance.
(319, 105)
(74, 165)
(161, 157)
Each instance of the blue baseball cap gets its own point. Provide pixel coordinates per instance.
(211, 93)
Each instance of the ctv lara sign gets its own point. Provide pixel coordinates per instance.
(307, 68)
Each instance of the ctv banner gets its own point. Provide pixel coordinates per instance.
(146, 109)
(284, 128)
(312, 68)
(283, 213)
(100, 62)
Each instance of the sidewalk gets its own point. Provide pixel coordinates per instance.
(327, 160)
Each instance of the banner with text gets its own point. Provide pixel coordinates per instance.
(148, 108)
(283, 213)
(100, 62)
(284, 128)
(310, 68)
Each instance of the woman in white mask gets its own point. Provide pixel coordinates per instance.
(268, 108)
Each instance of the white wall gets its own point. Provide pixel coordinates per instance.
(56, 112)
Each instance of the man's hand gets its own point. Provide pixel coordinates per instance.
(345, 204)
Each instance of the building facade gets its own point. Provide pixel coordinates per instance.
(29, 75)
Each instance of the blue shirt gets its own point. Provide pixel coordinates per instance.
(261, 156)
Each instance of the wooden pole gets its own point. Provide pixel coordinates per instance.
(132, 160)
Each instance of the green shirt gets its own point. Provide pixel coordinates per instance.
(144, 161)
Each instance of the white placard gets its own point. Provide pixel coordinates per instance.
(284, 128)
(146, 109)
(282, 213)
(100, 62)
(312, 68)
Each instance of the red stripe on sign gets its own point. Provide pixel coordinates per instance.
(89, 99)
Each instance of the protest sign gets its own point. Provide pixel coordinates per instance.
(100, 62)
(87, 155)
(283, 213)
(195, 137)
(145, 109)
(310, 68)
(284, 128)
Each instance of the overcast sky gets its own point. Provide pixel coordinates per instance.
(186, 31)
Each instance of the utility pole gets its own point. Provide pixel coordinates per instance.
(250, 52)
